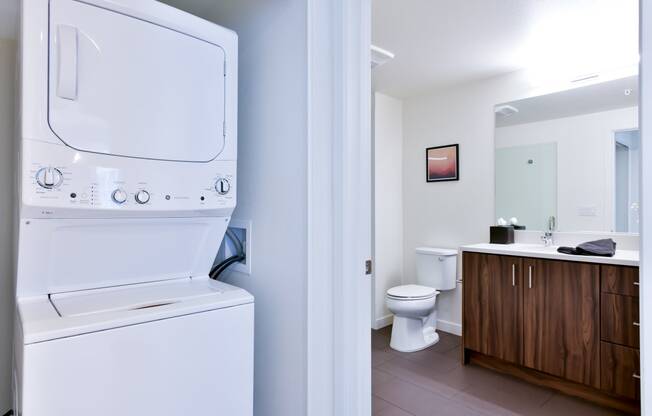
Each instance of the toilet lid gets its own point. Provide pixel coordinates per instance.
(412, 292)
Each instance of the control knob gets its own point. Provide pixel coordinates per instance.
(142, 196)
(49, 178)
(222, 186)
(119, 196)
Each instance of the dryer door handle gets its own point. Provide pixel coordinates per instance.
(68, 49)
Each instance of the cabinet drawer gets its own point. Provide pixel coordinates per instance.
(619, 319)
(620, 280)
(620, 370)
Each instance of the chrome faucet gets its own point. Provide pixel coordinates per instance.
(547, 236)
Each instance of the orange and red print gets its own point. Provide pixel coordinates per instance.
(442, 163)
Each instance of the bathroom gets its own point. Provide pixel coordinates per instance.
(540, 136)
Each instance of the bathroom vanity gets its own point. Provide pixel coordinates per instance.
(570, 323)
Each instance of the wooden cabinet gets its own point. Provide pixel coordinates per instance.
(620, 370)
(619, 319)
(493, 311)
(561, 310)
(620, 280)
(571, 326)
(619, 322)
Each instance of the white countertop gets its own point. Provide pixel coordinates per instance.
(622, 257)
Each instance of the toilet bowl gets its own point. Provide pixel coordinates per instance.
(413, 305)
(415, 318)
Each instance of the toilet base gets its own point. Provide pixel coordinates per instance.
(413, 334)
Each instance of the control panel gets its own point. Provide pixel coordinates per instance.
(67, 180)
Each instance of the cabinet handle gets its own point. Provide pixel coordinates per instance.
(530, 277)
(636, 376)
(513, 275)
(636, 323)
(635, 283)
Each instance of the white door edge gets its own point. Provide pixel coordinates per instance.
(645, 123)
(339, 208)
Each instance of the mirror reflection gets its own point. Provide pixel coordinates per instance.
(571, 159)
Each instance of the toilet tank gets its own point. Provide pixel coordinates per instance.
(436, 267)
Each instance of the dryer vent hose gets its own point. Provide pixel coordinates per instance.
(220, 267)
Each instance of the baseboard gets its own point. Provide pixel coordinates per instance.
(384, 321)
(450, 327)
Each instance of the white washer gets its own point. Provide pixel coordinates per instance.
(127, 184)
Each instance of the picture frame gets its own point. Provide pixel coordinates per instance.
(443, 163)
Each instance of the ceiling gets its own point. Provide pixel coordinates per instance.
(594, 98)
(441, 43)
(9, 19)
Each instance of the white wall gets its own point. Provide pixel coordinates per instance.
(388, 202)
(450, 214)
(272, 188)
(7, 175)
(585, 163)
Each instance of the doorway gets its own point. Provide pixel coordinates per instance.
(437, 103)
(627, 150)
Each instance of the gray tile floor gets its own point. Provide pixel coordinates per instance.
(433, 382)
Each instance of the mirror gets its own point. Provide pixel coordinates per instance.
(572, 157)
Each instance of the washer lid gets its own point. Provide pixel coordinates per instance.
(412, 292)
(436, 251)
(133, 297)
(62, 315)
(126, 86)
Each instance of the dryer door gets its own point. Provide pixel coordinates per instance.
(124, 86)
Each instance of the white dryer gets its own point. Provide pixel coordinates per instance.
(127, 183)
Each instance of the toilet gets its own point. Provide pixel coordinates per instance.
(413, 306)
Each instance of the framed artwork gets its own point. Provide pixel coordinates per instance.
(443, 163)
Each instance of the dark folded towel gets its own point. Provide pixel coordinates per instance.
(605, 248)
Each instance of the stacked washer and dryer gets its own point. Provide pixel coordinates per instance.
(127, 180)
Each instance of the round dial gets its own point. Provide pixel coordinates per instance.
(222, 186)
(142, 196)
(49, 178)
(119, 196)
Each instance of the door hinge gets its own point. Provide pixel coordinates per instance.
(368, 267)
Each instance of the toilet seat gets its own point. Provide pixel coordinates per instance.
(411, 292)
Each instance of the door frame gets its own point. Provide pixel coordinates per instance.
(645, 124)
(339, 208)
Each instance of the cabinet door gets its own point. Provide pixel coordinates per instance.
(493, 307)
(621, 370)
(561, 319)
(619, 319)
(619, 280)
